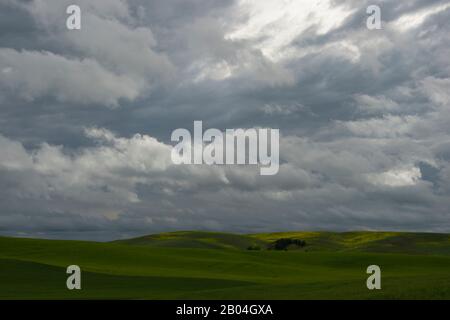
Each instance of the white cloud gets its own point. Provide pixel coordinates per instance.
(115, 59)
(415, 19)
(378, 104)
(397, 177)
(438, 90)
(103, 174)
(122, 49)
(385, 127)
(35, 75)
(274, 24)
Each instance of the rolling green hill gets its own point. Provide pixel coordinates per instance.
(365, 241)
(362, 241)
(196, 239)
(165, 267)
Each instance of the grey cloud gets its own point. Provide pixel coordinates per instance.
(363, 116)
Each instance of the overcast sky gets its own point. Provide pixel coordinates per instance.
(86, 115)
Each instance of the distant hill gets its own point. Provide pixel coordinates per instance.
(196, 239)
(360, 241)
(367, 241)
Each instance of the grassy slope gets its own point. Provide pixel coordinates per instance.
(364, 241)
(386, 242)
(31, 268)
(195, 239)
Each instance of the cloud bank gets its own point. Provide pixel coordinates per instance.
(86, 116)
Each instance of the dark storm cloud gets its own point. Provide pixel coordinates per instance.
(86, 116)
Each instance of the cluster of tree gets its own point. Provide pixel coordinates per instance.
(284, 243)
(280, 244)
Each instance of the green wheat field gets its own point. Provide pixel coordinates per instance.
(207, 265)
